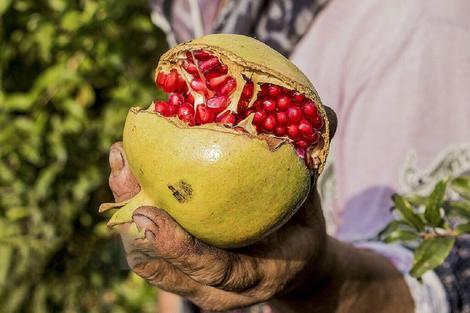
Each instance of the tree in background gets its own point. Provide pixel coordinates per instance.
(69, 71)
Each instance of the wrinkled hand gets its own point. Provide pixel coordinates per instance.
(215, 279)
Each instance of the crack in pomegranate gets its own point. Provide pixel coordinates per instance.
(276, 110)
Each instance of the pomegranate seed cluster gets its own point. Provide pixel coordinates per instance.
(276, 110)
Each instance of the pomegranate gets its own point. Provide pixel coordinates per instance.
(232, 152)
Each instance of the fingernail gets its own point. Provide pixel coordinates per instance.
(116, 160)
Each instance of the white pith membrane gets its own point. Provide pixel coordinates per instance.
(203, 90)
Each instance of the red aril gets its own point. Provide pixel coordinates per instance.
(186, 113)
(201, 55)
(204, 115)
(305, 127)
(222, 69)
(280, 131)
(208, 65)
(269, 123)
(160, 81)
(190, 98)
(190, 67)
(160, 107)
(242, 106)
(189, 56)
(298, 97)
(170, 81)
(226, 118)
(214, 80)
(259, 117)
(198, 86)
(247, 92)
(301, 144)
(175, 99)
(258, 105)
(312, 138)
(269, 105)
(274, 91)
(294, 114)
(283, 103)
(281, 118)
(228, 87)
(309, 109)
(218, 103)
(293, 131)
(172, 110)
(181, 85)
(317, 122)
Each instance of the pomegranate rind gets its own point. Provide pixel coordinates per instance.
(223, 187)
(251, 58)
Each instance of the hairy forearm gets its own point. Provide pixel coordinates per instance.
(352, 280)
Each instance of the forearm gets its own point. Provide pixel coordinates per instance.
(352, 280)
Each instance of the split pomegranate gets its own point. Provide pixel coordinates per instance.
(271, 109)
(232, 152)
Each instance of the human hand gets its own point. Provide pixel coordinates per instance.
(216, 279)
(298, 267)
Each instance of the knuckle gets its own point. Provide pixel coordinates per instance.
(240, 275)
(152, 271)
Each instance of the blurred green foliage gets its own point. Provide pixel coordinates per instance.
(69, 71)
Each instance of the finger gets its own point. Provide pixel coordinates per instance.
(162, 274)
(165, 276)
(122, 182)
(205, 264)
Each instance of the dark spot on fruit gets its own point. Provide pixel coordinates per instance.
(182, 192)
(178, 196)
(187, 189)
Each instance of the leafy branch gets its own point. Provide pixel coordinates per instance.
(433, 222)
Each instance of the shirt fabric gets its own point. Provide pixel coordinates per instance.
(396, 73)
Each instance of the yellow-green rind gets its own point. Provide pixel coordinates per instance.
(223, 187)
(256, 57)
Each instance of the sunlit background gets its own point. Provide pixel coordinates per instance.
(69, 71)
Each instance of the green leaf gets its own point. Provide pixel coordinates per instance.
(58, 5)
(458, 208)
(71, 21)
(16, 213)
(461, 185)
(463, 228)
(398, 231)
(417, 200)
(5, 262)
(435, 201)
(18, 102)
(401, 235)
(45, 179)
(4, 5)
(406, 212)
(430, 254)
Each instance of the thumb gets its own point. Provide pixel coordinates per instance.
(122, 182)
